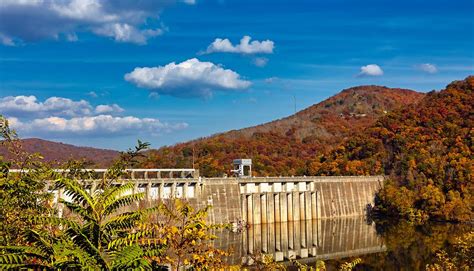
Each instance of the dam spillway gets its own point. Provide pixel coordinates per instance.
(283, 199)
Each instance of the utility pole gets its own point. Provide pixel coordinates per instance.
(296, 123)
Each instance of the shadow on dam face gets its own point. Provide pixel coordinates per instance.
(306, 240)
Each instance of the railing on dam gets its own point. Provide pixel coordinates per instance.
(155, 183)
(136, 174)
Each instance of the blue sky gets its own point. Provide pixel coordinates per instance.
(101, 73)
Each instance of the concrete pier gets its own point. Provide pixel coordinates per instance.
(306, 198)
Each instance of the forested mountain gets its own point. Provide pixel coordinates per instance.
(426, 150)
(285, 146)
(60, 152)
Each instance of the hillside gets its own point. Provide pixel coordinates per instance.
(352, 108)
(426, 150)
(55, 151)
(284, 146)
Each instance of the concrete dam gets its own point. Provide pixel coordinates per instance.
(309, 217)
(280, 199)
(257, 200)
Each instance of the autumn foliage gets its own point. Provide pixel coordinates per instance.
(285, 147)
(57, 153)
(423, 143)
(427, 152)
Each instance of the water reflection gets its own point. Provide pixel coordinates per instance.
(307, 240)
(409, 246)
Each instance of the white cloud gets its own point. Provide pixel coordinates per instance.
(371, 70)
(108, 109)
(22, 106)
(20, 2)
(92, 94)
(190, 78)
(124, 21)
(29, 106)
(62, 117)
(428, 68)
(154, 95)
(245, 47)
(270, 80)
(97, 93)
(86, 10)
(6, 40)
(72, 37)
(260, 61)
(127, 33)
(101, 125)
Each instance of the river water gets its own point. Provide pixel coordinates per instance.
(381, 246)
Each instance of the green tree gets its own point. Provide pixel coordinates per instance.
(83, 238)
(21, 194)
(102, 226)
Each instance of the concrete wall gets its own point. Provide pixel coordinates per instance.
(223, 197)
(266, 200)
(269, 200)
(346, 196)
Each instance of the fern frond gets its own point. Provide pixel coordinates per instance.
(13, 258)
(127, 220)
(122, 222)
(83, 242)
(22, 258)
(130, 239)
(121, 202)
(76, 191)
(112, 192)
(73, 257)
(78, 209)
(23, 266)
(155, 252)
(130, 258)
(41, 242)
(56, 221)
